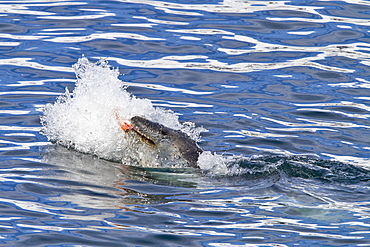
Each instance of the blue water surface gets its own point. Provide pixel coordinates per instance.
(283, 82)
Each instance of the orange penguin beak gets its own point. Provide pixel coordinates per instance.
(126, 126)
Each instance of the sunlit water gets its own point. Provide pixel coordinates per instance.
(281, 87)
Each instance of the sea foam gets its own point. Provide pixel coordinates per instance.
(88, 118)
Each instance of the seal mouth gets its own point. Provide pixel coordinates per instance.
(125, 126)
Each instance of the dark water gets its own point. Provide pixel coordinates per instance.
(285, 83)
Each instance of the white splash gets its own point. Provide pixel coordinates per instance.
(86, 119)
(213, 164)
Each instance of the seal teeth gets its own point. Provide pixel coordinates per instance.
(144, 137)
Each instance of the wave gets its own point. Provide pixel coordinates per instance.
(88, 119)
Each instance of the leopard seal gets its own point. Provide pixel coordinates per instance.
(168, 146)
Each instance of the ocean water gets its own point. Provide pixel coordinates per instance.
(279, 89)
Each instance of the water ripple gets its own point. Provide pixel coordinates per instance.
(113, 36)
(264, 77)
(28, 63)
